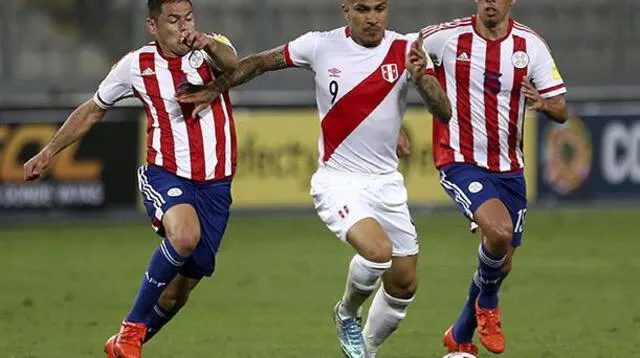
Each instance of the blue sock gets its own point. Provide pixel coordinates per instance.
(157, 319)
(489, 277)
(466, 324)
(163, 267)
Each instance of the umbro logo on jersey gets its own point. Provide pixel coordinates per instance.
(148, 72)
(334, 72)
(464, 57)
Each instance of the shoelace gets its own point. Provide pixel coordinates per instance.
(492, 324)
(354, 334)
(130, 333)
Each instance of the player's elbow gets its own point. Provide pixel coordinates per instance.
(447, 114)
(444, 114)
(558, 109)
(564, 116)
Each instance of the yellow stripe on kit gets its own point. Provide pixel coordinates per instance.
(222, 39)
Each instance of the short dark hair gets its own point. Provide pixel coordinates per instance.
(155, 6)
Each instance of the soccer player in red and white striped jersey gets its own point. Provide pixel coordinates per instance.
(362, 76)
(186, 184)
(491, 67)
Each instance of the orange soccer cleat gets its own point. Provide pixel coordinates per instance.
(453, 346)
(127, 343)
(490, 329)
(109, 347)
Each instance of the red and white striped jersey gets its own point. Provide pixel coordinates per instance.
(361, 96)
(483, 81)
(201, 148)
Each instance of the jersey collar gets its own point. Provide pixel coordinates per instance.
(474, 20)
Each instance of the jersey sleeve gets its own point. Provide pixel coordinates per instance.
(413, 37)
(435, 43)
(301, 51)
(117, 85)
(544, 72)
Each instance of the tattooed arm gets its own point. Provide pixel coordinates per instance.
(434, 97)
(428, 86)
(248, 68)
(255, 65)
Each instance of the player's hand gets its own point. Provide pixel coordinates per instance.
(198, 95)
(403, 148)
(535, 102)
(195, 40)
(36, 167)
(417, 59)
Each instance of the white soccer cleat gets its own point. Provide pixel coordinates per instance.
(459, 355)
(350, 335)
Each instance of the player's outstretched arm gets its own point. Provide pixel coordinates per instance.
(249, 68)
(428, 86)
(555, 107)
(253, 66)
(74, 128)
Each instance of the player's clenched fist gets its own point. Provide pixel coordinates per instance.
(36, 166)
(196, 40)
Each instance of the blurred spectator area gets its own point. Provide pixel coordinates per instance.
(60, 46)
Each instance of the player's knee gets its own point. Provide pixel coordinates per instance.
(501, 233)
(184, 238)
(403, 289)
(379, 252)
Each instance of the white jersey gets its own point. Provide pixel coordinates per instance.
(201, 148)
(361, 97)
(483, 80)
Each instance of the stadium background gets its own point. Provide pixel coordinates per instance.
(73, 247)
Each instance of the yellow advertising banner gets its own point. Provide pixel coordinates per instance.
(277, 154)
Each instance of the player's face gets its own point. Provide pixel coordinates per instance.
(367, 19)
(493, 12)
(176, 18)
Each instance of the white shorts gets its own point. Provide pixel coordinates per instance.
(343, 199)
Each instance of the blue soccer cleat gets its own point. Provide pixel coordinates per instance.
(350, 335)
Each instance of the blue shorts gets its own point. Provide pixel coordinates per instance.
(162, 190)
(470, 186)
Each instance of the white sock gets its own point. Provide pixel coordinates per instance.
(361, 281)
(385, 314)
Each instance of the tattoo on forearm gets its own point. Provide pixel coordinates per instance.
(278, 59)
(255, 65)
(435, 97)
(247, 69)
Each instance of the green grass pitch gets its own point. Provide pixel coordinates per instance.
(574, 290)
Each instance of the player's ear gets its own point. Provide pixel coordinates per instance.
(345, 11)
(513, 2)
(151, 26)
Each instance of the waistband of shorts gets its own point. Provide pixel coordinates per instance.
(359, 175)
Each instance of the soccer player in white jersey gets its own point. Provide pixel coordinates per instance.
(362, 75)
(490, 66)
(190, 161)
